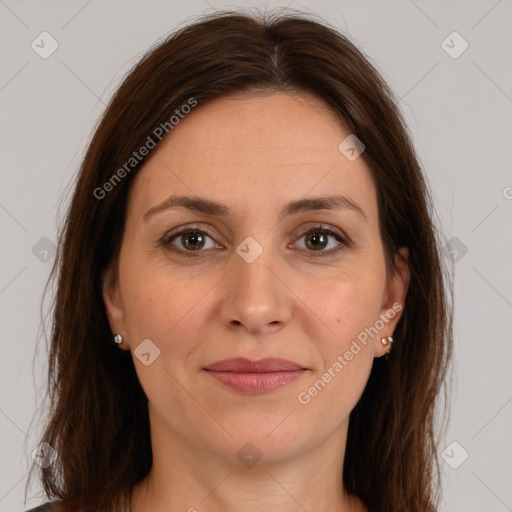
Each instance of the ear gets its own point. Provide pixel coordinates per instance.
(393, 302)
(114, 304)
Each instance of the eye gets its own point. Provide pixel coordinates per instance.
(317, 239)
(188, 240)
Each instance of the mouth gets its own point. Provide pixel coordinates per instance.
(253, 377)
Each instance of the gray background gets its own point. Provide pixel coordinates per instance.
(459, 113)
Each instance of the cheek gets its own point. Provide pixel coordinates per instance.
(157, 297)
(336, 385)
(350, 308)
(347, 304)
(164, 311)
(161, 309)
(332, 394)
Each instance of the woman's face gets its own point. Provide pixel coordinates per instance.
(256, 280)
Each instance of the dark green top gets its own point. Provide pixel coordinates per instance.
(50, 507)
(46, 507)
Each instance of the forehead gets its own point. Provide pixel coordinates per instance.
(253, 150)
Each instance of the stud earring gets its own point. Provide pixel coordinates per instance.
(387, 341)
(118, 339)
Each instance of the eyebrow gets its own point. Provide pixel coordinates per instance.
(209, 207)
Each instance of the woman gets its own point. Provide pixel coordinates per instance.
(251, 310)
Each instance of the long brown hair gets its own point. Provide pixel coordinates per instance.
(98, 419)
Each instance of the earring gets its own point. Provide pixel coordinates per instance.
(118, 339)
(387, 341)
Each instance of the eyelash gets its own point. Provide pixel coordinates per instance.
(168, 238)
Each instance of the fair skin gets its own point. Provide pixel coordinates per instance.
(254, 154)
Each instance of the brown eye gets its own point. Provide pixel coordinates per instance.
(316, 240)
(189, 241)
(192, 240)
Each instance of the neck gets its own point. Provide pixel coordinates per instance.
(190, 478)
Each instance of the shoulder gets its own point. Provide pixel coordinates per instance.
(46, 507)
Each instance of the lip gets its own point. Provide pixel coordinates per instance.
(253, 377)
(243, 365)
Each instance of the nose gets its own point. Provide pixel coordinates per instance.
(255, 298)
